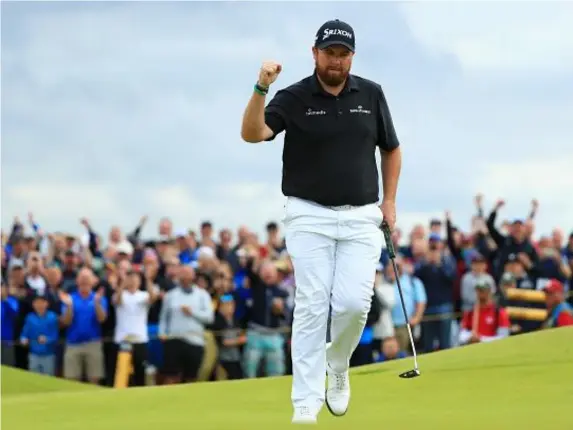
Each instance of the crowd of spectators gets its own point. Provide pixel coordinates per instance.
(200, 306)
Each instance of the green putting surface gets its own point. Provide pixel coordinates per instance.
(524, 382)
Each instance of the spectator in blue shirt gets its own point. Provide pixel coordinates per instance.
(415, 300)
(83, 312)
(9, 316)
(40, 333)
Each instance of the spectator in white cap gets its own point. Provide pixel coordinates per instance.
(124, 250)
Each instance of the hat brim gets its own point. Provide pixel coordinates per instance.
(327, 43)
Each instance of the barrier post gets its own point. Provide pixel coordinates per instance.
(123, 365)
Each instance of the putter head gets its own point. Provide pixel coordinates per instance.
(410, 374)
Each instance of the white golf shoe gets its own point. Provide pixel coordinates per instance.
(337, 392)
(303, 415)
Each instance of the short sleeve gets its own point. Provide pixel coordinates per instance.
(276, 113)
(420, 291)
(387, 139)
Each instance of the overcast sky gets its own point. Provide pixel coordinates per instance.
(115, 110)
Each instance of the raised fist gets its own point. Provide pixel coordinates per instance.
(534, 204)
(269, 73)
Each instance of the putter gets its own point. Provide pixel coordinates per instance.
(392, 254)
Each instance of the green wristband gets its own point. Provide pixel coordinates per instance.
(261, 90)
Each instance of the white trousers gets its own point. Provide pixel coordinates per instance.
(334, 253)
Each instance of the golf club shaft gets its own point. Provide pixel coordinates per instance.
(392, 255)
(405, 312)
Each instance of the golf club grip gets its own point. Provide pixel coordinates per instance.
(388, 239)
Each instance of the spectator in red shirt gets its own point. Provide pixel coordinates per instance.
(486, 321)
(560, 312)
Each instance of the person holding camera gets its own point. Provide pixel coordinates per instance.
(437, 273)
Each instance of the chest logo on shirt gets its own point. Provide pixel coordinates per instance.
(489, 320)
(361, 110)
(312, 112)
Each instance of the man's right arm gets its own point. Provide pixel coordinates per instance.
(254, 128)
(67, 314)
(164, 315)
(497, 237)
(260, 124)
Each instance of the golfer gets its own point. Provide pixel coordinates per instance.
(333, 123)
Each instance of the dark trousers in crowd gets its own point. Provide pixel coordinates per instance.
(234, 369)
(109, 361)
(181, 360)
(8, 355)
(437, 327)
(362, 355)
(138, 358)
(288, 357)
(440, 331)
(21, 357)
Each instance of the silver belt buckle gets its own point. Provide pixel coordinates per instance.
(341, 208)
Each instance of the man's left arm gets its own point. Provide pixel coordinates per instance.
(101, 308)
(391, 158)
(205, 314)
(279, 302)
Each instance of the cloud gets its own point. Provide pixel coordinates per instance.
(115, 110)
(486, 36)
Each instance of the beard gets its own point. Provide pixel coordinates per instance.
(332, 76)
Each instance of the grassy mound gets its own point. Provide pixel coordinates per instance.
(19, 382)
(523, 382)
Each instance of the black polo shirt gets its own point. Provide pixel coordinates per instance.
(330, 141)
